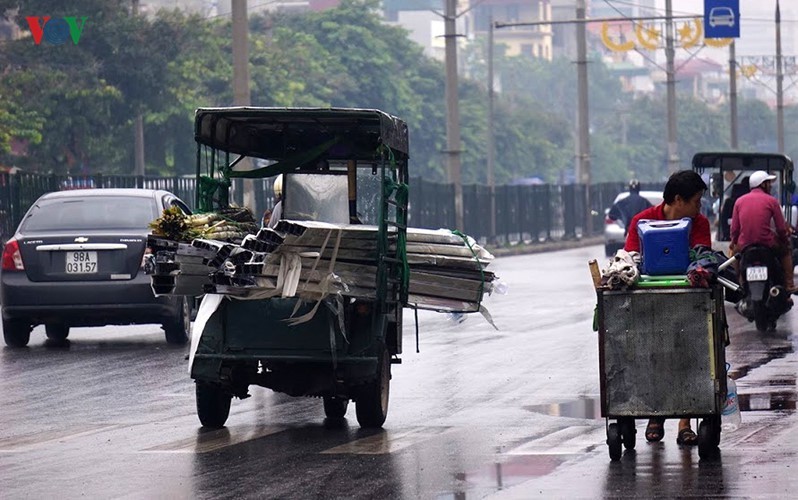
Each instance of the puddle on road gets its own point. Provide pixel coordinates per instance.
(743, 367)
(581, 408)
(500, 476)
(780, 400)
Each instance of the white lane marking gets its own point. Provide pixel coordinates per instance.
(569, 441)
(387, 441)
(215, 440)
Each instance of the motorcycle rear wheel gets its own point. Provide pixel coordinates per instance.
(761, 317)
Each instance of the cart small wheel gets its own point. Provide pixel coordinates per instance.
(706, 439)
(335, 407)
(614, 441)
(716, 422)
(628, 432)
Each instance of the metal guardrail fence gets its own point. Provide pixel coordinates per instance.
(523, 213)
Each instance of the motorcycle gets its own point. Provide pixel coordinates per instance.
(764, 297)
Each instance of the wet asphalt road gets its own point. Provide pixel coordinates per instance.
(477, 413)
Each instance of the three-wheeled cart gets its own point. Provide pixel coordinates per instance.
(339, 166)
(661, 354)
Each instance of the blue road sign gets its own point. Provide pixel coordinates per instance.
(721, 18)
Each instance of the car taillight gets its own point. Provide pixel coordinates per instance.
(12, 258)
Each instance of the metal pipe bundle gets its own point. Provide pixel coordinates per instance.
(311, 260)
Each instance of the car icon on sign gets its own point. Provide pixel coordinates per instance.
(721, 16)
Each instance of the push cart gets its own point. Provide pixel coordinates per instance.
(661, 354)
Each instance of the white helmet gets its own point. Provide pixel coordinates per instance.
(277, 186)
(758, 177)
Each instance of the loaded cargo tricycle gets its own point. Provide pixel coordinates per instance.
(337, 167)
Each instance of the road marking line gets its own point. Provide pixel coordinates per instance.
(569, 441)
(386, 441)
(26, 442)
(207, 441)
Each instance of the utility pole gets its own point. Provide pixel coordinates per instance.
(241, 96)
(491, 136)
(138, 127)
(583, 118)
(733, 94)
(779, 83)
(673, 147)
(453, 112)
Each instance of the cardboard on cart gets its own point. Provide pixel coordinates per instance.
(664, 246)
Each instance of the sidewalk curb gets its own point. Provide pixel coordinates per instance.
(546, 246)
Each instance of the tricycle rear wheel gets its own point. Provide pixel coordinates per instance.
(335, 407)
(213, 404)
(372, 400)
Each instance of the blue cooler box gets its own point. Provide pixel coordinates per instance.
(664, 246)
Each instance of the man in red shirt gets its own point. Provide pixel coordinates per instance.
(681, 198)
(751, 224)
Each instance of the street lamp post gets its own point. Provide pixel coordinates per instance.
(584, 119)
(673, 146)
(779, 83)
(491, 137)
(453, 112)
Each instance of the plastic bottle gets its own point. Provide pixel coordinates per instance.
(730, 417)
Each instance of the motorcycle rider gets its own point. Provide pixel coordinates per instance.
(752, 217)
(626, 208)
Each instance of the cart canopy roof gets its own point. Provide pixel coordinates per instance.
(769, 162)
(280, 133)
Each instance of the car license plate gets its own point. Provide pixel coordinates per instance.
(757, 273)
(81, 262)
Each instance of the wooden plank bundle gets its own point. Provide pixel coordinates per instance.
(312, 259)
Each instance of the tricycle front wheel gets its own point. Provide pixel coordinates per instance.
(372, 401)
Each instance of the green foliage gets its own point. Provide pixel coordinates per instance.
(17, 123)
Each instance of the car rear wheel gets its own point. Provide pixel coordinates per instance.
(178, 329)
(56, 331)
(16, 332)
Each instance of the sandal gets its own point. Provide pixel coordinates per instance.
(687, 437)
(655, 430)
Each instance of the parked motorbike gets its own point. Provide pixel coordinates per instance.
(764, 297)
